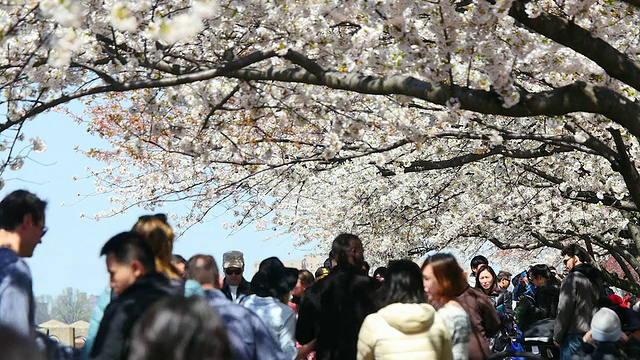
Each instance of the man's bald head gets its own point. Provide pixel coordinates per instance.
(203, 269)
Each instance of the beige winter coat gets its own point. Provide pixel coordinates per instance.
(404, 331)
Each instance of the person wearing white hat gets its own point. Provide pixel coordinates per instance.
(602, 340)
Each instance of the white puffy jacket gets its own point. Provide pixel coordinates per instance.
(404, 331)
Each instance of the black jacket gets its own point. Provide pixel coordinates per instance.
(546, 301)
(332, 311)
(502, 300)
(243, 289)
(545, 305)
(113, 337)
(603, 351)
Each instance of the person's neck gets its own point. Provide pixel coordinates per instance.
(208, 287)
(10, 239)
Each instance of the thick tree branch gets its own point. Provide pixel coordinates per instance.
(627, 167)
(577, 97)
(565, 32)
(606, 199)
(425, 165)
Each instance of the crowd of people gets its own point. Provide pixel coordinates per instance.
(159, 305)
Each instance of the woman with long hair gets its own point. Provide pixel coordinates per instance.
(406, 326)
(487, 282)
(157, 232)
(444, 280)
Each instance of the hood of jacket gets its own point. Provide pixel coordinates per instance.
(408, 318)
(592, 274)
(589, 271)
(7, 257)
(151, 284)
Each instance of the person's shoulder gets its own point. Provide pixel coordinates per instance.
(16, 269)
(10, 261)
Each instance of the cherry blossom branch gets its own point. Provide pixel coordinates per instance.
(145, 84)
(579, 96)
(565, 32)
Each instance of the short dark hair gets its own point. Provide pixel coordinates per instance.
(382, 271)
(478, 260)
(203, 269)
(16, 205)
(306, 277)
(178, 258)
(403, 283)
(129, 246)
(503, 275)
(575, 250)
(540, 270)
(341, 246)
(177, 328)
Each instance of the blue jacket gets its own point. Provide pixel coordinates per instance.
(280, 319)
(249, 336)
(17, 305)
(191, 288)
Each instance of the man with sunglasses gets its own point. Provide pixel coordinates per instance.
(235, 286)
(22, 225)
(579, 293)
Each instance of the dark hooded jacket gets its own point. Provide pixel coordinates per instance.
(243, 289)
(579, 293)
(332, 311)
(113, 338)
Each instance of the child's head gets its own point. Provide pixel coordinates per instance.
(128, 258)
(605, 326)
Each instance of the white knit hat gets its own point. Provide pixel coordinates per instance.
(605, 325)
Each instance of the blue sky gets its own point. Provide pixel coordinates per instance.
(68, 254)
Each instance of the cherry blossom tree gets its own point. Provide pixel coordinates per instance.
(419, 124)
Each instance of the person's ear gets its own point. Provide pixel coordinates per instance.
(27, 219)
(138, 268)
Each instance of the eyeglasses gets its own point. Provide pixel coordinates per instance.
(160, 216)
(233, 271)
(44, 231)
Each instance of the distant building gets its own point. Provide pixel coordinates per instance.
(308, 262)
(73, 335)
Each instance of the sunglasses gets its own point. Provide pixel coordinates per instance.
(159, 216)
(565, 261)
(44, 231)
(233, 271)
